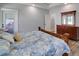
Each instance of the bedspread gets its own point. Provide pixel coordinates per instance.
(37, 43)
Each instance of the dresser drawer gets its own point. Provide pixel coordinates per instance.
(72, 30)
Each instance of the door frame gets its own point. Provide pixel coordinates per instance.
(15, 21)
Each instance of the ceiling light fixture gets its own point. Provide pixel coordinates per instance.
(65, 3)
(33, 5)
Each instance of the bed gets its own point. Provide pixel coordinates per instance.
(35, 43)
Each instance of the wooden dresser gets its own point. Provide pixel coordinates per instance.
(71, 30)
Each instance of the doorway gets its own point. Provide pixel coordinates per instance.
(9, 20)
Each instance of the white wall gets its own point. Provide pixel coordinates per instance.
(0, 19)
(55, 13)
(49, 23)
(29, 18)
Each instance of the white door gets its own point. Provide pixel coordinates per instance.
(47, 22)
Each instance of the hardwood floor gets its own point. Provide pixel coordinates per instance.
(74, 46)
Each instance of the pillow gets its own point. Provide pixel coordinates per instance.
(17, 37)
(8, 37)
(1, 30)
(0, 36)
(4, 47)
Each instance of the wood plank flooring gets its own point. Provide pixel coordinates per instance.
(74, 46)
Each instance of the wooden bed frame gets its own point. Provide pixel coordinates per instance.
(65, 38)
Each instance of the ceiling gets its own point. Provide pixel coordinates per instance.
(40, 5)
(43, 5)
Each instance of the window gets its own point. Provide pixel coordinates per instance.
(68, 18)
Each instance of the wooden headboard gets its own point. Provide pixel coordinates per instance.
(51, 33)
(64, 37)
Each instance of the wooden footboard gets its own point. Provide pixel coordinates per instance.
(65, 38)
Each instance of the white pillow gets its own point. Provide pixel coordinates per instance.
(4, 47)
(1, 30)
(8, 37)
(0, 36)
